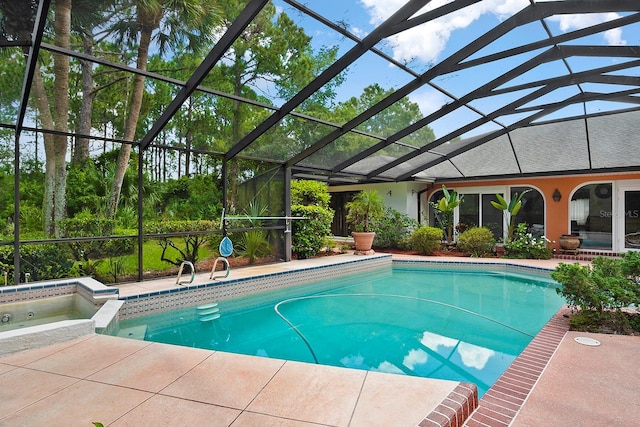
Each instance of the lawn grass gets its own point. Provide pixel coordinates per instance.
(127, 265)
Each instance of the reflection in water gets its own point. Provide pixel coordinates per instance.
(474, 356)
(415, 357)
(441, 357)
(389, 368)
(434, 341)
(471, 355)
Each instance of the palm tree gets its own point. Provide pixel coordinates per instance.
(446, 206)
(170, 22)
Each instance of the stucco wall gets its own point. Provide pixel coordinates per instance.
(557, 213)
(396, 195)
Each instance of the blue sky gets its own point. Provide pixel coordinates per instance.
(429, 44)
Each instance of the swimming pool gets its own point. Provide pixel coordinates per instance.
(462, 325)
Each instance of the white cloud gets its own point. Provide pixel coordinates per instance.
(426, 42)
(577, 22)
(429, 100)
(359, 32)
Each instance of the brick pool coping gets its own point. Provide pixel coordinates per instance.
(455, 408)
(501, 403)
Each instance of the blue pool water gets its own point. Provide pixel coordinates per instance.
(448, 324)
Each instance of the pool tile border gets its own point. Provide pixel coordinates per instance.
(471, 265)
(219, 290)
(91, 289)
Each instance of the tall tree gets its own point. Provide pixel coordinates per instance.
(392, 119)
(55, 115)
(17, 24)
(62, 38)
(171, 23)
(270, 61)
(87, 16)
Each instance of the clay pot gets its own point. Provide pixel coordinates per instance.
(569, 242)
(363, 240)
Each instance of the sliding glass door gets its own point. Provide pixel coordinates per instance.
(631, 226)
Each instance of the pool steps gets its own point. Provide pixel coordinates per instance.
(208, 312)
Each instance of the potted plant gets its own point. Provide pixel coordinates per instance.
(365, 207)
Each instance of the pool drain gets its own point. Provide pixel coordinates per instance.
(587, 341)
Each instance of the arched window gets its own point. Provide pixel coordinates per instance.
(591, 214)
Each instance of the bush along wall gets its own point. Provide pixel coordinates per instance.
(41, 262)
(605, 295)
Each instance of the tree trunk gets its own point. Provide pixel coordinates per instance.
(187, 141)
(233, 169)
(132, 121)
(39, 93)
(81, 152)
(62, 27)
(54, 200)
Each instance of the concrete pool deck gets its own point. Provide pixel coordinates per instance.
(118, 381)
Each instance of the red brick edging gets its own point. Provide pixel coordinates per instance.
(501, 403)
(455, 408)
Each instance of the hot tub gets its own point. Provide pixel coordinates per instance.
(45, 310)
(37, 314)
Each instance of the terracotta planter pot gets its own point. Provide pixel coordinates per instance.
(569, 242)
(363, 241)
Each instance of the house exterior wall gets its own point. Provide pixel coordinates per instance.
(556, 213)
(401, 196)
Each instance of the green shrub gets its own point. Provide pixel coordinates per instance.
(309, 235)
(631, 266)
(393, 229)
(42, 262)
(477, 241)
(600, 292)
(603, 286)
(425, 239)
(254, 244)
(310, 193)
(524, 245)
(310, 199)
(86, 224)
(189, 198)
(31, 219)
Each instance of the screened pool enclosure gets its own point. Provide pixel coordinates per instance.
(125, 122)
